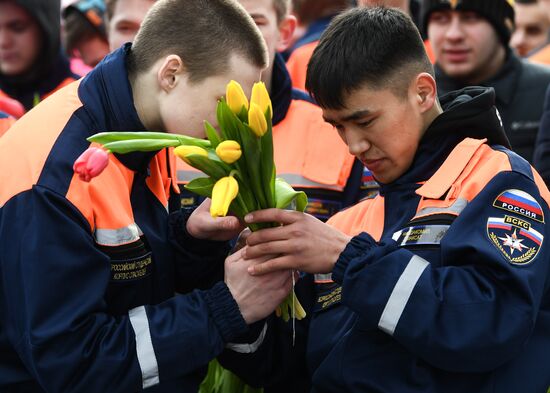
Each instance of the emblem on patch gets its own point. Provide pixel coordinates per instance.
(520, 202)
(515, 238)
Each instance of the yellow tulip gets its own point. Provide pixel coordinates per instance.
(183, 151)
(256, 120)
(260, 96)
(235, 97)
(229, 151)
(223, 193)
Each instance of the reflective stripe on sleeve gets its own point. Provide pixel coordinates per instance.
(144, 347)
(117, 237)
(401, 294)
(249, 348)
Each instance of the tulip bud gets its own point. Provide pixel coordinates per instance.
(260, 96)
(223, 193)
(91, 163)
(256, 120)
(235, 97)
(186, 150)
(229, 151)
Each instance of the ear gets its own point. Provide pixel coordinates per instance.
(425, 91)
(287, 27)
(169, 72)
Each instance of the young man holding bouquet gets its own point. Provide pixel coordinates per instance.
(308, 155)
(88, 270)
(441, 283)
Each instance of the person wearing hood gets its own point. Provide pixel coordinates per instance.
(440, 283)
(32, 65)
(470, 39)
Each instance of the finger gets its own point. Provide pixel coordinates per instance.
(284, 217)
(263, 249)
(268, 235)
(270, 266)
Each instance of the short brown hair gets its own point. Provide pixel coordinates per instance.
(204, 33)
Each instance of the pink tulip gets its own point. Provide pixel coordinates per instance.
(91, 163)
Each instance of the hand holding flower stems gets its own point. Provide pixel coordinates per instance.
(238, 162)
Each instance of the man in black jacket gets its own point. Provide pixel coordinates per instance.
(470, 42)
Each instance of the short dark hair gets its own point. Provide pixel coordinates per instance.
(204, 33)
(376, 47)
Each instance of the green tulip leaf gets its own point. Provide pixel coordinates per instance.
(212, 135)
(128, 146)
(210, 167)
(114, 136)
(286, 195)
(202, 186)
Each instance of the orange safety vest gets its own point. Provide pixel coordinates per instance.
(308, 153)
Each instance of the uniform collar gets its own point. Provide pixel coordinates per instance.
(107, 95)
(281, 89)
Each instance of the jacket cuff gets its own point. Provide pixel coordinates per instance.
(359, 245)
(178, 231)
(225, 312)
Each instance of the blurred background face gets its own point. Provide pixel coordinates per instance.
(276, 34)
(466, 45)
(92, 50)
(20, 39)
(532, 28)
(126, 20)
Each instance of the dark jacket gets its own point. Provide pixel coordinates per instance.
(520, 87)
(89, 271)
(51, 68)
(542, 146)
(432, 294)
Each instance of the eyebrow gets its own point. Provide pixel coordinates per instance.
(354, 116)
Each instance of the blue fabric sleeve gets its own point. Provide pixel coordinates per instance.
(541, 156)
(471, 313)
(53, 281)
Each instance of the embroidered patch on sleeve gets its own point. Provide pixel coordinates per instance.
(520, 202)
(515, 238)
(421, 235)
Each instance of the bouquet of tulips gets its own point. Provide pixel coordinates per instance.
(238, 162)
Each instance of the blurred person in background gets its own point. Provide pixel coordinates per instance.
(32, 65)
(124, 18)
(85, 34)
(470, 40)
(532, 27)
(316, 15)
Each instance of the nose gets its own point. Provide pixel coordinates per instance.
(357, 144)
(454, 30)
(518, 41)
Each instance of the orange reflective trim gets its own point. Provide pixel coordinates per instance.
(302, 144)
(159, 181)
(105, 200)
(37, 132)
(297, 64)
(453, 166)
(481, 168)
(543, 189)
(5, 124)
(366, 216)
